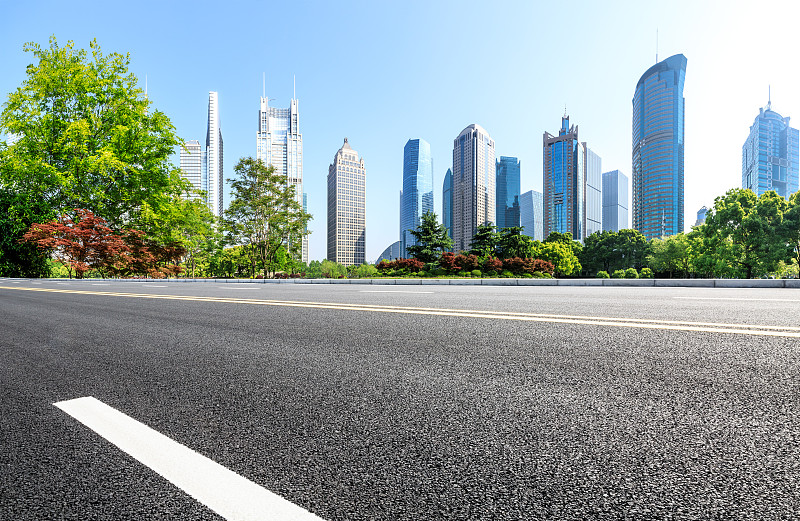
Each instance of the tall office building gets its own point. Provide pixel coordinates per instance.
(212, 158)
(594, 191)
(473, 184)
(770, 155)
(346, 207)
(564, 182)
(416, 198)
(701, 216)
(658, 124)
(279, 143)
(531, 210)
(192, 165)
(392, 252)
(447, 202)
(615, 201)
(507, 192)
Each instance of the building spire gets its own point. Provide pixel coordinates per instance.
(294, 86)
(656, 44)
(769, 97)
(263, 84)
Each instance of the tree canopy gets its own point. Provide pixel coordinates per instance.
(432, 239)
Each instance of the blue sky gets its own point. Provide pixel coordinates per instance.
(381, 73)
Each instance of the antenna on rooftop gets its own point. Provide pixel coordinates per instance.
(294, 86)
(769, 97)
(264, 84)
(656, 44)
(565, 110)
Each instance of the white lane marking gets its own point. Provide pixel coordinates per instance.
(155, 286)
(391, 291)
(220, 489)
(100, 284)
(742, 299)
(238, 286)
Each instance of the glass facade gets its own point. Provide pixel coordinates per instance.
(279, 143)
(531, 210)
(447, 202)
(416, 198)
(594, 192)
(192, 165)
(508, 191)
(615, 201)
(657, 155)
(346, 207)
(212, 158)
(770, 155)
(473, 184)
(701, 216)
(564, 182)
(392, 252)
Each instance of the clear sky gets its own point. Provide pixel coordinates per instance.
(381, 73)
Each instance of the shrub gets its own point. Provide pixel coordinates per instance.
(468, 262)
(477, 273)
(631, 273)
(618, 274)
(448, 262)
(527, 275)
(602, 275)
(646, 273)
(463, 274)
(492, 266)
(515, 265)
(507, 274)
(538, 265)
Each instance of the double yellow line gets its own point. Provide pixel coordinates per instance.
(707, 327)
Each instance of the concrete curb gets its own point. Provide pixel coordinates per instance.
(649, 283)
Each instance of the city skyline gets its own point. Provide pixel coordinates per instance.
(385, 106)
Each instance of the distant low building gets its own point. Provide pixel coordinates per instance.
(615, 201)
(531, 210)
(391, 253)
(701, 216)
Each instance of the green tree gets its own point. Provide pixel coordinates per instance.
(560, 255)
(743, 231)
(264, 215)
(566, 240)
(484, 242)
(21, 258)
(671, 255)
(512, 243)
(432, 239)
(85, 137)
(789, 229)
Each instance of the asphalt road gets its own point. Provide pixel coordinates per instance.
(516, 403)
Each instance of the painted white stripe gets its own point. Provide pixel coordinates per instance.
(391, 291)
(100, 284)
(742, 299)
(220, 489)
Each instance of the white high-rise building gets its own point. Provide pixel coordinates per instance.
(346, 207)
(279, 143)
(473, 184)
(212, 159)
(192, 165)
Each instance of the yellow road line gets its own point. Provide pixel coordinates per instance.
(709, 327)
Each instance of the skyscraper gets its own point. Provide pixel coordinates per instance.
(564, 182)
(701, 216)
(212, 159)
(192, 165)
(416, 198)
(594, 191)
(279, 143)
(346, 207)
(473, 184)
(615, 201)
(447, 202)
(531, 210)
(508, 191)
(658, 124)
(770, 155)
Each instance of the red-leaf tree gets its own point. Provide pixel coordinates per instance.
(82, 243)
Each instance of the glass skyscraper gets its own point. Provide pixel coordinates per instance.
(279, 143)
(346, 207)
(531, 210)
(615, 201)
(473, 184)
(564, 182)
(416, 198)
(594, 191)
(658, 125)
(770, 155)
(212, 158)
(507, 188)
(447, 202)
(192, 165)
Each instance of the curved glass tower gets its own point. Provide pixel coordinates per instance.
(657, 156)
(417, 195)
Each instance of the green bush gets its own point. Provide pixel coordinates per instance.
(631, 273)
(507, 274)
(477, 273)
(646, 273)
(463, 274)
(527, 275)
(602, 275)
(422, 273)
(618, 274)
